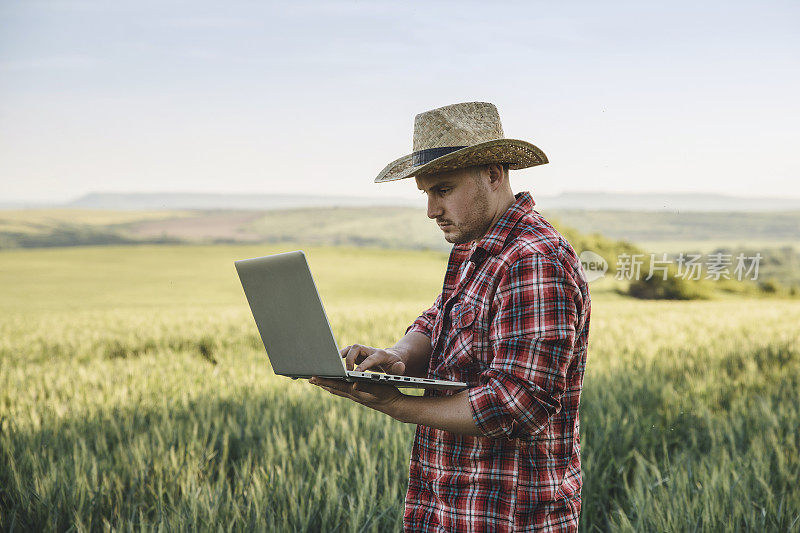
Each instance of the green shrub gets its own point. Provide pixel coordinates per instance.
(671, 288)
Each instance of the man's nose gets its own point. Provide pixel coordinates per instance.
(434, 210)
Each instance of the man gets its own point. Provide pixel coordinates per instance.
(512, 321)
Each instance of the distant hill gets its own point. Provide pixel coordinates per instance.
(721, 226)
(588, 200)
(671, 202)
(594, 201)
(30, 205)
(773, 234)
(156, 200)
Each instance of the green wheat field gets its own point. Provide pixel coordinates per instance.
(135, 395)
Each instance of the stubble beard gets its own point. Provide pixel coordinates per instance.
(474, 227)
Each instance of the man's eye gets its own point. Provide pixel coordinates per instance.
(444, 191)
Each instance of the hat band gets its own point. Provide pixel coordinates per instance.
(420, 157)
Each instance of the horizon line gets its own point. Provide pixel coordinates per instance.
(402, 197)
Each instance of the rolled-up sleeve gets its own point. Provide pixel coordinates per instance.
(424, 323)
(532, 337)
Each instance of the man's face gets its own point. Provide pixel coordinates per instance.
(459, 201)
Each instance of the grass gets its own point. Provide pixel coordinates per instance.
(135, 395)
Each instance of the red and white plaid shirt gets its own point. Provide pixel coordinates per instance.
(512, 322)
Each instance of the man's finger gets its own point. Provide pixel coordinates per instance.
(343, 351)
(376, 359)
(349, 358)
(349, 391)
(335, 392)
(332, 383)
(398, 368)
(386, 362)
(354, 356)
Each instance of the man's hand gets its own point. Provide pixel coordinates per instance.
(450, 413)
(381, 397)
(387, 361)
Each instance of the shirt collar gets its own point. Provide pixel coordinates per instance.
(494, 240)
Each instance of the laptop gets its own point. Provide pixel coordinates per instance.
(295, 329)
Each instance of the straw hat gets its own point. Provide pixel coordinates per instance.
(457, 136)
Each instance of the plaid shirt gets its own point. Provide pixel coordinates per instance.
(512, 322)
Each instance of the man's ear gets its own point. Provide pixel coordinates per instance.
(496, 175)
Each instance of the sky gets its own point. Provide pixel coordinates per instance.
(317, 97)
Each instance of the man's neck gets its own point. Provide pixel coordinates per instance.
(500, 210)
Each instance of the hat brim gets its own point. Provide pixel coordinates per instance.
(518, 154)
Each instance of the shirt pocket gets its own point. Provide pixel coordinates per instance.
(458, 361)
